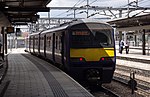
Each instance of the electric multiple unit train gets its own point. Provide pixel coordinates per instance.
(84, 48)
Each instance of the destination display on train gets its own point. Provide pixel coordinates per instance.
(80, 33)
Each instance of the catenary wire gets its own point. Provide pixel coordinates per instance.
(78, 3)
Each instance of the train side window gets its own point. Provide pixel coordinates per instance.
(41, 40)
(60, 42)
(36, 41)
(56, 42)
(49, 41)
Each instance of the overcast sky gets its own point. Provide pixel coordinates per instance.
(100, 3)
(112, 3)
(83, 2)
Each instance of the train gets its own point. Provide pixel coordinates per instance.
(85, 49)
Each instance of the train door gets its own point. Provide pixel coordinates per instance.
(53, 48)
(42, 45)
(36, 44)
(59, 48)
(26, 43)
(148, 40)
(45, 45)
(39, 45)
(62, 48)
(29, 44)
(33, 44)
(49, 40)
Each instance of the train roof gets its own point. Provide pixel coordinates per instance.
(55, 28)
(74, 22)
(88, 21)
(35, 33)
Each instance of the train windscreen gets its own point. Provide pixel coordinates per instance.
(91, 38)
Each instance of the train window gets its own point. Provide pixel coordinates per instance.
(102, 36)
(93, 38)
(49, 41)
(56, 42)
(81, 38)
(60, 43)
(36, 42)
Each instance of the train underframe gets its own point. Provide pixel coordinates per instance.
(95, 76)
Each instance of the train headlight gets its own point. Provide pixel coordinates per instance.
(107, 59)
(102, 59)
(79, 59)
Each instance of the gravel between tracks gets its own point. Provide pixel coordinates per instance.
(121, 90)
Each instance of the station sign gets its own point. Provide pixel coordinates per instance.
(10, 30)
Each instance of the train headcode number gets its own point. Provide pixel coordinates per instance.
(80, 33)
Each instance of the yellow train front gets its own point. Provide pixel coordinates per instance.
(84, 48)
(91, 52)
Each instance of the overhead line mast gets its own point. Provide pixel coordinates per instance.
(106, 11)
(87, 6)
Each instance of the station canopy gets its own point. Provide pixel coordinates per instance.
(132, 23)
(21, 12)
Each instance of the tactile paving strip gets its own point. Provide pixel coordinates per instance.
(53, 83)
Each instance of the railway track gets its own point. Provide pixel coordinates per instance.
(138, 71)
(100, 91)
(119, 84)
(133, 59)
(141, 76)
(104, 92)
(122, 75)
(141, 90)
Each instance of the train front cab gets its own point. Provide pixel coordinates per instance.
(92, 52)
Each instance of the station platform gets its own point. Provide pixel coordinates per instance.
(29, 76)
(134, 59)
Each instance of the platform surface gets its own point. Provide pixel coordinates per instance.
(29, 76)
(134, 58)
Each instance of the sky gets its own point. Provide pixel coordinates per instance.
(113, 3)
(62, 3)
(100, 3)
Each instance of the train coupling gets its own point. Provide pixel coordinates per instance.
(93, 77)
